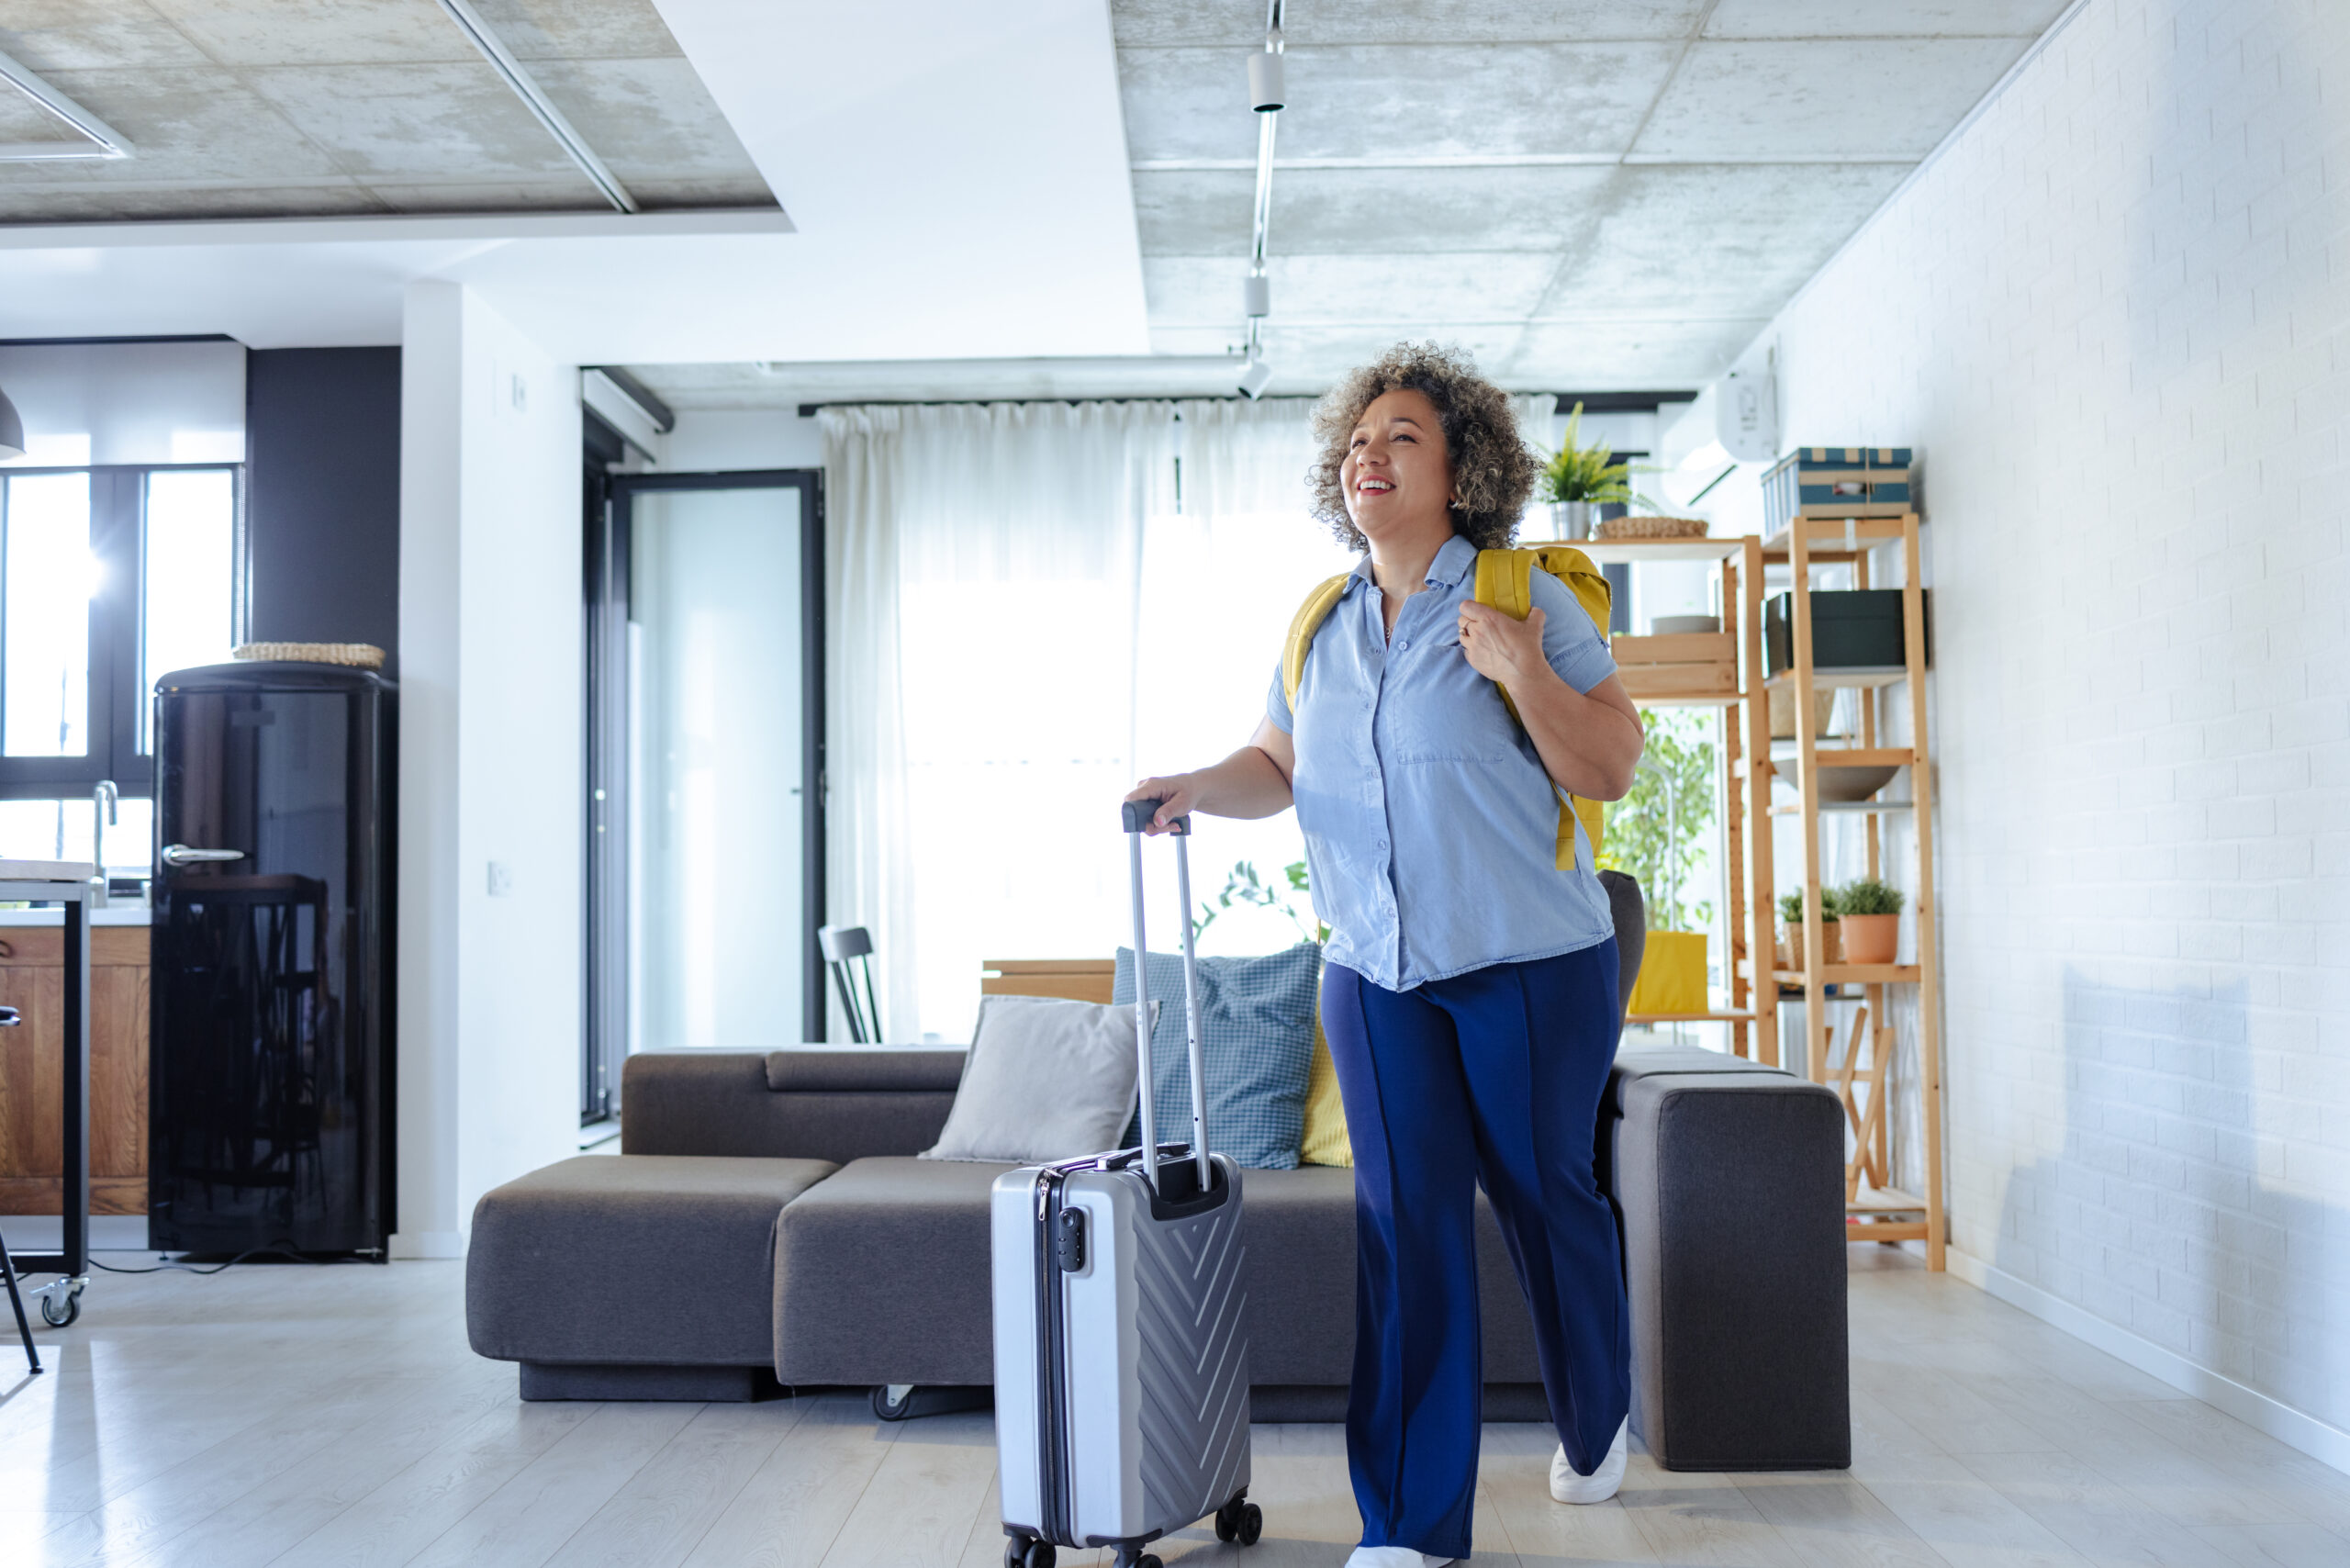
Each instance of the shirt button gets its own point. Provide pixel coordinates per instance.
(1405, 644)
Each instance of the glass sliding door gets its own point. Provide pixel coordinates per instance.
(706, 730)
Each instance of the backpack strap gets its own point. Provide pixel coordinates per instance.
(1505, 581)
(1302, 627)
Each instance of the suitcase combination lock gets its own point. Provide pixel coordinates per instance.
(1068, 1240)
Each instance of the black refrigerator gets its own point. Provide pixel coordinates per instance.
(270, 1075)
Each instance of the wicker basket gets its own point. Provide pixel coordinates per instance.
(1651, 528)
(364, 655)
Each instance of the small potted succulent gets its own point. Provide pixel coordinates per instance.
(1579, 479)
(1791, 927)
(1871, 912)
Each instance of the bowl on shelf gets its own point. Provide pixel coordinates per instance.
(1849, 782)
(1683, 625)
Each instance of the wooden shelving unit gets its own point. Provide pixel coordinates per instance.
(1879, 1212)
(1723, 670)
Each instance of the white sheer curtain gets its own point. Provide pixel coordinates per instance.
(1024, 615)
(985, 566)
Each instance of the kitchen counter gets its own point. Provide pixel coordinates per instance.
(123, 913)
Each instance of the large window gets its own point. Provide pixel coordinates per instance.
(109, 577)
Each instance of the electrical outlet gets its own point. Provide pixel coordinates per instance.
(501, 878)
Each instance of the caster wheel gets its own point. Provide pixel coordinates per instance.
(1039, 1555)
(1226, 1528)
(58, 1317)
(1014, 1553)
(1251, 1523)
(889, 1409)
(1148, 1561)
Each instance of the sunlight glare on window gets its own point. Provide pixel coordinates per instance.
(191, 544)
(46, 576)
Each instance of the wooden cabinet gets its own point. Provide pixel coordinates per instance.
(32, 1064)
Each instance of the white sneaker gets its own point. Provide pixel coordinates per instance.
(1394, 1557)
(1601, 1483)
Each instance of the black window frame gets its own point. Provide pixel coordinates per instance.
(117, 622)
(610, 529)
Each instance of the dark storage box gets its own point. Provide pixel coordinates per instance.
(1851, 629)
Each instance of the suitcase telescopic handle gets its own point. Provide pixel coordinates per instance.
(1137, 815)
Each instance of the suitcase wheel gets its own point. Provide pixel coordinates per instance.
(1027, 1551)
(1239, 1521)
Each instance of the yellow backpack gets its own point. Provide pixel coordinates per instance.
(1505, 581)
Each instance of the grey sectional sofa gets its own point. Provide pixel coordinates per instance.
(767, 1222)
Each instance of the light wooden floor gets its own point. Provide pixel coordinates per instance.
(283, 1416)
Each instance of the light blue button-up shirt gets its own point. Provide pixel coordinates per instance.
(1430, 826)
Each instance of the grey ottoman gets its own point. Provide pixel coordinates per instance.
(634, 1276)
(1729, 1178)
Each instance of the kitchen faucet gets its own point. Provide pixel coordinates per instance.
(103, 809)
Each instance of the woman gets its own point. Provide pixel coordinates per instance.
(1470, 995)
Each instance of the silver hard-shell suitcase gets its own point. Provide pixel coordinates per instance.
(1121, 1358)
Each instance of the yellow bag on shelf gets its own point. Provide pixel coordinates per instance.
(1673, 974)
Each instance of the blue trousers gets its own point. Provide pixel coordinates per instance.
(1491, 1078)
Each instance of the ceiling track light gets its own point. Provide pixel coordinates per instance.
(534, 98)
(12, 431)
(101, 139)
(1268, 95)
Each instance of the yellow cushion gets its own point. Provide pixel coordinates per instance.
(1673, 974)
(1325, 1141)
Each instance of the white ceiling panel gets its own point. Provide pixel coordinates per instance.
(1823, 98)
(1397, 101)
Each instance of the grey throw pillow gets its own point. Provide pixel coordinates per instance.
(1047, 1078)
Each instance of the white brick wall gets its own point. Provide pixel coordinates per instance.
(2115, 316)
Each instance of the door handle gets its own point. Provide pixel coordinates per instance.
(181, 855)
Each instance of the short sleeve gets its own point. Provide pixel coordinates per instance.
(1570, 641)
(1277, 703)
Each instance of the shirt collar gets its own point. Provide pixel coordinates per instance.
(1452, 563)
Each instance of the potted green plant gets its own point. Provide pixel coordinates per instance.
(1791, 926)
(1870, 918)
(1580, 478)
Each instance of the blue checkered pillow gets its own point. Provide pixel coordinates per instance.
(1256, 1035)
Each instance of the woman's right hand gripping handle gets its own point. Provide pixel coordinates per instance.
(1251, 782)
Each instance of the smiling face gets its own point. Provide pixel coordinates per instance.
(1397, 475)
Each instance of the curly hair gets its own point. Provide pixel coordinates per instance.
(1493, 469)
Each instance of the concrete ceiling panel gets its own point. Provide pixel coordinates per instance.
(646, 115)
(454, 119)
(1601, 355)
(21, 119)
(1843, 98)
(1714, 239)
(578, 30)
(92, 35)
(1488, 286)
(1397, 101)
(1160, 23)
(1882, 18)
(1369, 211)
(92, 204)
(199, 124)
(568, 191)
(317, 32)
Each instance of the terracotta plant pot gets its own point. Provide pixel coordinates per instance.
(1871, 938)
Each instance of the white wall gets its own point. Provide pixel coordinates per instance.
(2114, 315)
(717, 440)
(491, 668)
